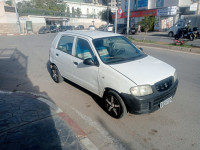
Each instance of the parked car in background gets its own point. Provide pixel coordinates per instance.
(65, 28)
(80, 27)
(122, 29)
(109, 28)
(44, 30)
(101, 28)
(110, 66)
(91, 27)
(53, 29)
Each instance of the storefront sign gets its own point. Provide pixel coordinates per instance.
(167, 11)
(151, 12)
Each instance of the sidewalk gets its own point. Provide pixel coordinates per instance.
(32, 122)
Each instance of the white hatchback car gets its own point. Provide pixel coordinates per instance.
(113, 68)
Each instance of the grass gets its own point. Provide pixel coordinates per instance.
(154, 42)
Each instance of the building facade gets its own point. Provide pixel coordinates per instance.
(167, 12)
(88, 10)
(8, 19)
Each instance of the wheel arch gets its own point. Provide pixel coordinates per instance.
(110, 89)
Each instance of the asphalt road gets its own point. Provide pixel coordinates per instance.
(24, 61)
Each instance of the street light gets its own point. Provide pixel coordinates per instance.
(17, 15)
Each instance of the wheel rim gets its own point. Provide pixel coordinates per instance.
(113, 106)
(55, 74)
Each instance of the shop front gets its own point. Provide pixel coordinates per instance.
(166, 17)
(136, 16)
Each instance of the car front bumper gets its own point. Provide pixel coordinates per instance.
(150, 103)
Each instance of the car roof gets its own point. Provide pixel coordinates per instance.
(91, 34)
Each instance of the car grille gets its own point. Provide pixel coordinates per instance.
(164, 84)
(158, 100)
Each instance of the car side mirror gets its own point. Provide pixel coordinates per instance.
(89, 61)
(141, 49)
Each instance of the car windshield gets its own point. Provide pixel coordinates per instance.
(116, 49)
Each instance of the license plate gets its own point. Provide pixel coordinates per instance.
(166, 102)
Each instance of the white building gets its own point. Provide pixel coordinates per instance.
(90, 10)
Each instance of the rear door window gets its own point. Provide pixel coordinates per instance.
(65, 44)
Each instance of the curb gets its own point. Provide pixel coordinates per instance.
(15, 34)
(171, 47)
(80, 134)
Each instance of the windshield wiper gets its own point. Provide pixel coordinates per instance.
(114, 57)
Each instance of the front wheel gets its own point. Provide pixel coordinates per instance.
(114, 105)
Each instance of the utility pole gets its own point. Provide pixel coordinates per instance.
(128, 17)
(198, 7)
(17, 15)
(107, 12)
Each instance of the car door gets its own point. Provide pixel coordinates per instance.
(85, 75)
(63, 56)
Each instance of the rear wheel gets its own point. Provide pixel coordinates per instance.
(114, 105)
(176, 37)
(170, 34)
(191, 37)
(55, 74)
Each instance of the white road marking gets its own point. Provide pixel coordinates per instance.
(115, 143)
(88, 144)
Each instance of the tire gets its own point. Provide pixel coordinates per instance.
(191, 37)
(170, 34)
(114, 105)
(55, 74)
(176, 37)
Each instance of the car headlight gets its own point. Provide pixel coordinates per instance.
(141, 90)
(175, 76)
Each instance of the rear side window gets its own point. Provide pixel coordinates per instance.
(65, 44)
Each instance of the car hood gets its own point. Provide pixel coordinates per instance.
(147, 70)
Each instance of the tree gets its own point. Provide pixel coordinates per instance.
(147, 23)
(68, 12)
(78, 12)
(73, 12)
(52, 5)
(106, 15)
(9, 3)
(42, 7)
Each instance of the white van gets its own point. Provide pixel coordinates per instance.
(110, 66)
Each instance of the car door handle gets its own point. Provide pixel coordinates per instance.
(75, 63)
(57, 54)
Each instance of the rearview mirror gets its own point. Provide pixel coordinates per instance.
(88, 61)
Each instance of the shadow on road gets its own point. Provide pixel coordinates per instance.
(26, 122)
